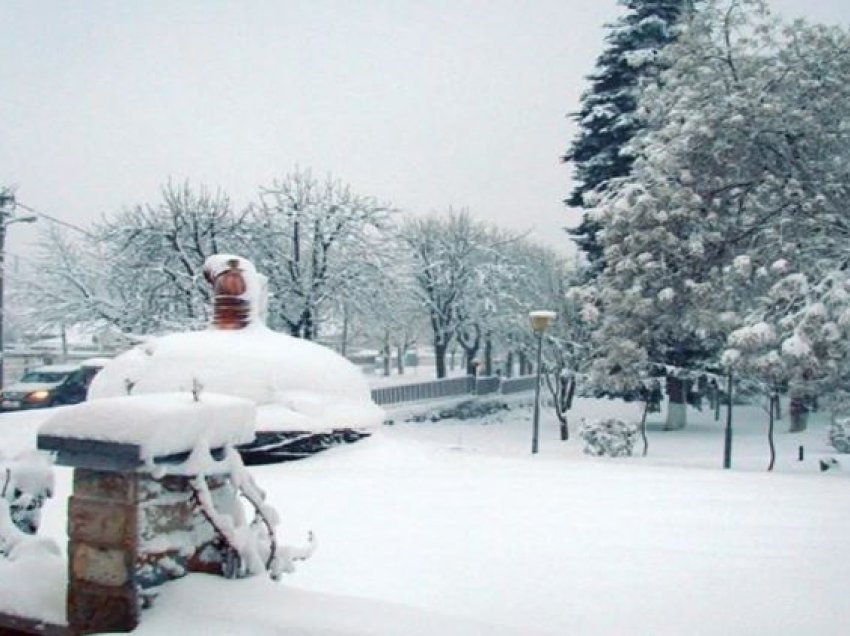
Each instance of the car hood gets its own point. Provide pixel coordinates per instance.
(29, 387)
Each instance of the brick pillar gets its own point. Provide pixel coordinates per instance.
(103, 541)
(130, 532)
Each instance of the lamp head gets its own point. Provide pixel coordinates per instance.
(541, 319)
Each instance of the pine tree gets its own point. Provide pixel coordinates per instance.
(742, 168)
(607, 117)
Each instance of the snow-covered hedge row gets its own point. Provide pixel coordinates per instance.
(468, 409)
(611, 437)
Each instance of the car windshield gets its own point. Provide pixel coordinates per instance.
(43, 376)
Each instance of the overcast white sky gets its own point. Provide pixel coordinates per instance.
(422, 104)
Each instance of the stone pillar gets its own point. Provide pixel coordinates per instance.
(130, 531)
(103, 540)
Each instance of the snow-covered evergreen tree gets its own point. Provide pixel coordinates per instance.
(607, 117)
(745, 160)
(797, 334)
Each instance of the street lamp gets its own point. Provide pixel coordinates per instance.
(7, 217)
(540, 321)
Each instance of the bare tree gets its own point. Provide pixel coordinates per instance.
(140, 269)
(315, 241)
(446, 252)
(387, 310)
(161, 248)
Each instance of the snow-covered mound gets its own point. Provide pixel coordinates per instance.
(296, 384)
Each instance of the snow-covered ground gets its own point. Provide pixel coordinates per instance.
(455, 528)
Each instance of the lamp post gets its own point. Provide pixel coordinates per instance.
(7, 217)
(540, 321)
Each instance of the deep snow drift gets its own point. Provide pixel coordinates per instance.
(458, 522)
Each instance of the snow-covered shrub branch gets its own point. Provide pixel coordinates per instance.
(254, 545)
(26, 482)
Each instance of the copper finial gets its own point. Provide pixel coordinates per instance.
(231, 310)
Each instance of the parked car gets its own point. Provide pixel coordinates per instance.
(50, 385)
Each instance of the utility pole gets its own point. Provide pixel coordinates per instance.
(7, 217)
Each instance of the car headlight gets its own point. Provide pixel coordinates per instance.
(38, 396)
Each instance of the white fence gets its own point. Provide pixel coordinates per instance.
(452, 387)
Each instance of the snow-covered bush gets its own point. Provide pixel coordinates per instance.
(25, 483)
(839, 435)
(254, 547)
(611, 437)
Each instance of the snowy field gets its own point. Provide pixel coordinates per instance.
(454, 528)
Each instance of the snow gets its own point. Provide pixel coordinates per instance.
(780, 266)
(753, 336)
(454, 527)
(796, 346)
(32, 583)
(296, 384)
(160, 424)
(743, 264)
(225, 607)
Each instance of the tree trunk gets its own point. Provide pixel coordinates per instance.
(440, 359)
(385, 351)
(714, 398)
(677, 407)
(400, 359)
(524, 364)
(509, 365)
(488, 354)
(343, 345)
(799, 414)
(309, 332)
(772, 410)
(469, 340)
(470, 362)
(727, 434)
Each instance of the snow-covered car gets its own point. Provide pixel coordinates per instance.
(50, 385)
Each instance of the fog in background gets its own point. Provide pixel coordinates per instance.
(422, 104)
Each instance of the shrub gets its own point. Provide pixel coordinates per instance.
(839, 435)
(611, 437)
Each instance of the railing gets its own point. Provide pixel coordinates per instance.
(487, 385)
(518, 385)
(451, 387)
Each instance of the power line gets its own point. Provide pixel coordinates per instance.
(76, 228)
